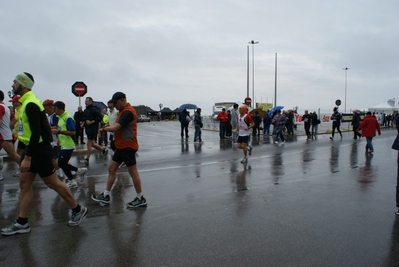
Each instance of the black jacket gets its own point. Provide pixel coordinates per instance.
(91, 113)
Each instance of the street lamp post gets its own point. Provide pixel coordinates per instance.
(346, 70)
(253, 72)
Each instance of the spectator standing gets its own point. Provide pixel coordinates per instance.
(197, 125)
(228, 125)
(34, 132)
(290, 122)
(315, 123)
(126, 144)
(222, 118)
(307, 120)
(355, 124)
(267, 120)
(184, 119)
(368, 127)
(257, 120)
(388, 120)
(78, 117)
(336, 118)
(92, 118)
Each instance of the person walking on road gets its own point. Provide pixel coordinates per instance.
(245, 123)
(91, 120)
(126, 144)
(368, 127)
(66, 134)
(184, 119)
(279, 122)
(197, 125)
(336, 123)
(355, 124)
(315, 124)
(34, 132)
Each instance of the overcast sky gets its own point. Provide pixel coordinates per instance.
(174, 52)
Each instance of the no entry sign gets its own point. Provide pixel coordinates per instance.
(79, 89)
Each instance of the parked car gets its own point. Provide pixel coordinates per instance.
(143, 118)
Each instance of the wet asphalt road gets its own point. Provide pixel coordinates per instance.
(308, 203)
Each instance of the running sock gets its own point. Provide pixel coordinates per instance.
(77, 209)
(106, 193)
(22, 221)
(139, 195)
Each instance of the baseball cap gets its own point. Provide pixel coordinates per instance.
(48, 103)
(60, 105)
(15, 99)
(117, 96)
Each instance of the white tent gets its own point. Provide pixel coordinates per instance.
(383, 107)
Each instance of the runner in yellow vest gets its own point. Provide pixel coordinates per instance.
(34, 132)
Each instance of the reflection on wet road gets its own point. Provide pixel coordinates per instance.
(288, 206)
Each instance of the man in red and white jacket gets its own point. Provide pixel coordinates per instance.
(369, 126)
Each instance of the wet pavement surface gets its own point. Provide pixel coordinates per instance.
(307, 203)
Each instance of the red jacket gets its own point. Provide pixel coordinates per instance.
(222, 117)
(368, 126)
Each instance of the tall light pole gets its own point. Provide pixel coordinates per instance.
(253, 72)
(346, 70)
(247, 70)
(275, 82)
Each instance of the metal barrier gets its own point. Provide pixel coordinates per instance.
(209, 123)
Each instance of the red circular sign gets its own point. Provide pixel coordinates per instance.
(248, 101)
(79, 89)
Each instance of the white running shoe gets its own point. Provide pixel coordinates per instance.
(72, 184)
(81, 173)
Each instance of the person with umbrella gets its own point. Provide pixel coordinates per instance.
(184, 118)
